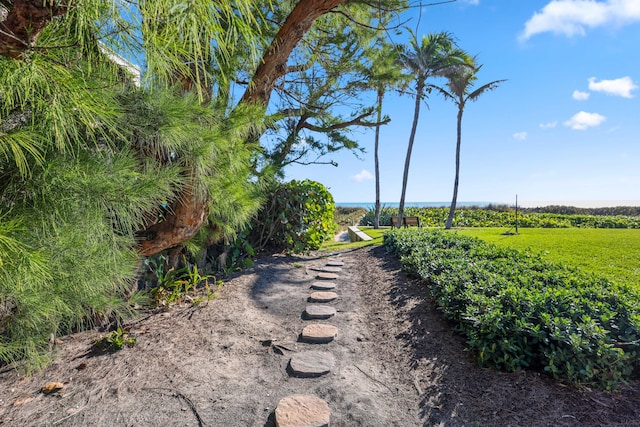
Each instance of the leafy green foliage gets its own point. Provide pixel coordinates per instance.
(297, 217)
(521, 311)
(115, 340)
(385, 216)
(177, 285)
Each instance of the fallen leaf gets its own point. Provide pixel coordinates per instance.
(21, 401)
(51, 387)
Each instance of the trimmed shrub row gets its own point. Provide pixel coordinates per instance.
(436, 217)
(520, 311)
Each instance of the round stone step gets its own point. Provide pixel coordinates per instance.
(331, 269)
(327, 276)
(322, 296)
(319, 333)
(335, 264)
(302, 411)
(310, 364)
(323, 286)
(317, 311)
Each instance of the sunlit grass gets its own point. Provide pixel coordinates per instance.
(332, 246)
(611, 253)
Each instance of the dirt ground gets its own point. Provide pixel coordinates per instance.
(224, 363)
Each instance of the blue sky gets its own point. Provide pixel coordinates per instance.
(565, 127)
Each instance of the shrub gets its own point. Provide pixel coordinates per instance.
(385, 216)
(520, 311)
(502, 217)
(297, 217)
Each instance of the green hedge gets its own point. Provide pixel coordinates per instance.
(475, 217)
(520, 311)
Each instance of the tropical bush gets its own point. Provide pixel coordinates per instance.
(519, 311)
(385, 216)
(297, 217)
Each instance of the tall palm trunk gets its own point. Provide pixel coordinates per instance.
(376, 221)
(452, 208)
(405, 177)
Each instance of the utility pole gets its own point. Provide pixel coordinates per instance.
(516, 214)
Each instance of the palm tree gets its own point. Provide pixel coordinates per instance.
(382, 74)
(435, 55)
(460, 85)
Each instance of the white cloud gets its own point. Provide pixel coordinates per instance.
(520, 136)
(620, 87)
(583, 120)
(549, 125)
(573, 17)
(580, 96)
(473, 2)
(364, 175)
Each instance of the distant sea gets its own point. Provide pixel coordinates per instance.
(368, 205)
(523, 203)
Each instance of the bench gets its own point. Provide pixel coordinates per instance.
(406, 221)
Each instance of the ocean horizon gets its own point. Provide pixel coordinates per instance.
(368, 205)
(523, 203)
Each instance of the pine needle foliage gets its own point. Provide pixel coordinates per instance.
(94, 150)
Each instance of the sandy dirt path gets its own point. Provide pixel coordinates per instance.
(225, 363)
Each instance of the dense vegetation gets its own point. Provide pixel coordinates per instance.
(506, 217)
(107, 167)
(297, 217)
(520, 310)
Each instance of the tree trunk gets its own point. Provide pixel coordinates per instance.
(274, 61)
(189, 213)
(376, 221)
(405, 177)
(452, 208)
(23, 22)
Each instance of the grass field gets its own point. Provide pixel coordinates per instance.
(611, 253)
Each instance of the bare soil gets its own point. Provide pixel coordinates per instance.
(224, 363)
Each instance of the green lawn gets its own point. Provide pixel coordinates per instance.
(611, 253)
(341, 246)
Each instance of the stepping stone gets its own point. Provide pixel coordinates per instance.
(319, 333)
(317, 311)
(327, 276)
(330, 269)
(302, 411)
(310, 364)
(335, 264)
(322, 296)
(323, 286)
